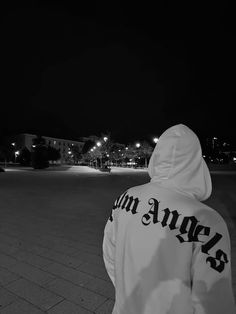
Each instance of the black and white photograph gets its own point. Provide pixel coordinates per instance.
(117, 157)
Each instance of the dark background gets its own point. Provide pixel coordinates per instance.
(71, 69)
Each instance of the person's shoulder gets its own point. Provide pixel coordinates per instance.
(210, 216)
(138, 189)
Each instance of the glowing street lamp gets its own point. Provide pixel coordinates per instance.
(213, 141)
(17, 153)
(105, 138)
(99, 144)
(155, 140)
(138, 145)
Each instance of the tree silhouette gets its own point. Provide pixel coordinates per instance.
(39, 153)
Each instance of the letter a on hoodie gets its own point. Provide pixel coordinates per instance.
(172, 254)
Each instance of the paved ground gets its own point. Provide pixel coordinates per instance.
(51, 229)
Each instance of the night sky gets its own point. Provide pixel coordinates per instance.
(71, 69)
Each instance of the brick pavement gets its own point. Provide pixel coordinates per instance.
(51, 260)
(48, 267)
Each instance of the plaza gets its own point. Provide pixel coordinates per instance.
(51, 231)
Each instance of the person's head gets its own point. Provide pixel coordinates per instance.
(177, 163)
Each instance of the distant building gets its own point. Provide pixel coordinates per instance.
(26, 140)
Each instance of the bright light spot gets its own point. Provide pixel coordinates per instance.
(99, 144)
(108, 155)
(214, 138)
(131, 163)
(155, 140)
(33, 146)
(126, 148)
(203, 156)
(105, 139)
(234, 159)
(94, 147)
(54, 142)
(138, 145)
(17, 153)
(69, 152)
(13, 144)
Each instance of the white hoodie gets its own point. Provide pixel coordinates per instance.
(164, 250)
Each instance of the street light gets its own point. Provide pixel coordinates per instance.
(213, 142)
(155, 140)
(105, 138)
(99, 144)
(138, 145)
(17, 153)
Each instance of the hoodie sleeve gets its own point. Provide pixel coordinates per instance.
(109, 248)
(212, 291)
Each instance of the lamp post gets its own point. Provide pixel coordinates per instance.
(16, 154)
(213, 142)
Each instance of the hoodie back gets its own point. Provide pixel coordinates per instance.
(164, 250)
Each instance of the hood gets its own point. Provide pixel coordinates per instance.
(177, 163)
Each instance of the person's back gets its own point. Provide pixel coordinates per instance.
(164, 250)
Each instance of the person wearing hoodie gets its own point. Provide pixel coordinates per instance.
(165, 251)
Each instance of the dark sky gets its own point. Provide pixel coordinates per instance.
(73, 69)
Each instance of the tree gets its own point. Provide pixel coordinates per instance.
(53, 153)
(145, 151)
(76, 153)
(117, 153)
(40, 153)
(24, 157)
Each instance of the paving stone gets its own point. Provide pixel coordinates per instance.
(88, 257)
(6, 276)
(102, 287)
(66, 307)
(70, 274)
(10, 240)
(95, 270)
(32, 273)
(106, 308)
(56, 245)
(31, 258)
(6, 248)
(7, 261)
(21, 307)
(34, 294)
(6, 298)
(78, 295)
(61, 258)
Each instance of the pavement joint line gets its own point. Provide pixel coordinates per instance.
(45, 288)
(80, 286)
(51, 260)
(25, 300)
(44, 285)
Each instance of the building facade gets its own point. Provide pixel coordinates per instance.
(65, 146)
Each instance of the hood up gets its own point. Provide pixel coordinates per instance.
(177, 163)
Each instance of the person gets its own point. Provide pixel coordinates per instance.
(165, 251)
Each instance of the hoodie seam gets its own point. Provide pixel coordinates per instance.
(172, 161)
